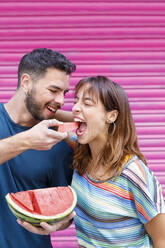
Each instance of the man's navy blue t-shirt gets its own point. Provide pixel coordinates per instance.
(30, 170)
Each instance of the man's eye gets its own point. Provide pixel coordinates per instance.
(53, 91)
(65, 92)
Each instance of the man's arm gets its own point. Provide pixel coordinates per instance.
(39, 137)
(11, 147)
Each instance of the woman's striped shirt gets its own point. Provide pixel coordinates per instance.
(113, 213)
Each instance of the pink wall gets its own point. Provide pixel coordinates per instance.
(124, 40)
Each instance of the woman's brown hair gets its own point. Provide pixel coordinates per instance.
(121, 138)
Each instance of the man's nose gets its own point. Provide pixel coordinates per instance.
(60, 99)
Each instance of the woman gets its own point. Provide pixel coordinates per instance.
(120, 203)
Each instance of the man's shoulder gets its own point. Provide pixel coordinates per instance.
(2, 112)
(1, 107)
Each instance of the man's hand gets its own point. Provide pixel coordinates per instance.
(41, 137)
(45, 228)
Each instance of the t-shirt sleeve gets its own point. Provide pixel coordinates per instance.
(146, 191)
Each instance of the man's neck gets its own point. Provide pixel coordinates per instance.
(17, 111)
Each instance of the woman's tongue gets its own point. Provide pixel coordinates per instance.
(82, 128)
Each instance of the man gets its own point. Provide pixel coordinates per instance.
(32, 154)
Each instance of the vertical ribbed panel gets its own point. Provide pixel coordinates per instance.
(124, 40)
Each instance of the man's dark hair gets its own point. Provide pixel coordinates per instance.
(37, 61)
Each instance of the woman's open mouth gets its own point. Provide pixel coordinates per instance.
(82, 127)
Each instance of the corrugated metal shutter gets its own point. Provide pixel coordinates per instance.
(124, 40)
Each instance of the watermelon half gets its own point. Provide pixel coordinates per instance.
(42, 205)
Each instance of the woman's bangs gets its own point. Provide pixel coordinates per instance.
(89, 89)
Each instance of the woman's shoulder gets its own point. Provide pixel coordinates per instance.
(136, 170)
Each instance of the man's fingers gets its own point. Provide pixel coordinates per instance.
(53, 122)
(72, 215)
(33, 229)
(58, 225)
(58, 135)
(49, 228)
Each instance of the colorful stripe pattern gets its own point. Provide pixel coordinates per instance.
(113, 213)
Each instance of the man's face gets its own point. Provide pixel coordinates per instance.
(47, 94)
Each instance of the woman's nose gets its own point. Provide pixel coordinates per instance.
(76, 108)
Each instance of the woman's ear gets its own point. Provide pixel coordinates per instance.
(112, 116)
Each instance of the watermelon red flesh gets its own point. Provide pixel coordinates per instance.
(50, 201)
(23, 200)
(68, 127)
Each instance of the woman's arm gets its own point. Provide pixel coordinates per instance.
(156, 230)
(65, 116)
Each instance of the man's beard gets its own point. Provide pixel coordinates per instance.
(33, 107)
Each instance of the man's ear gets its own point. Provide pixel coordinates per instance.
(112, 116)
(26, 83)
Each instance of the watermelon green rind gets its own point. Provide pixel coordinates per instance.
(35, 219)
(24, 217)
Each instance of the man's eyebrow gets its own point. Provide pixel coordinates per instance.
(58, 88)
(55, 87)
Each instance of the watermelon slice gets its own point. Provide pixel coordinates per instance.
(23, 199)
(68, 127)
(49, 204)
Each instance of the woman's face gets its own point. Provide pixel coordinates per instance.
(92, 117)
